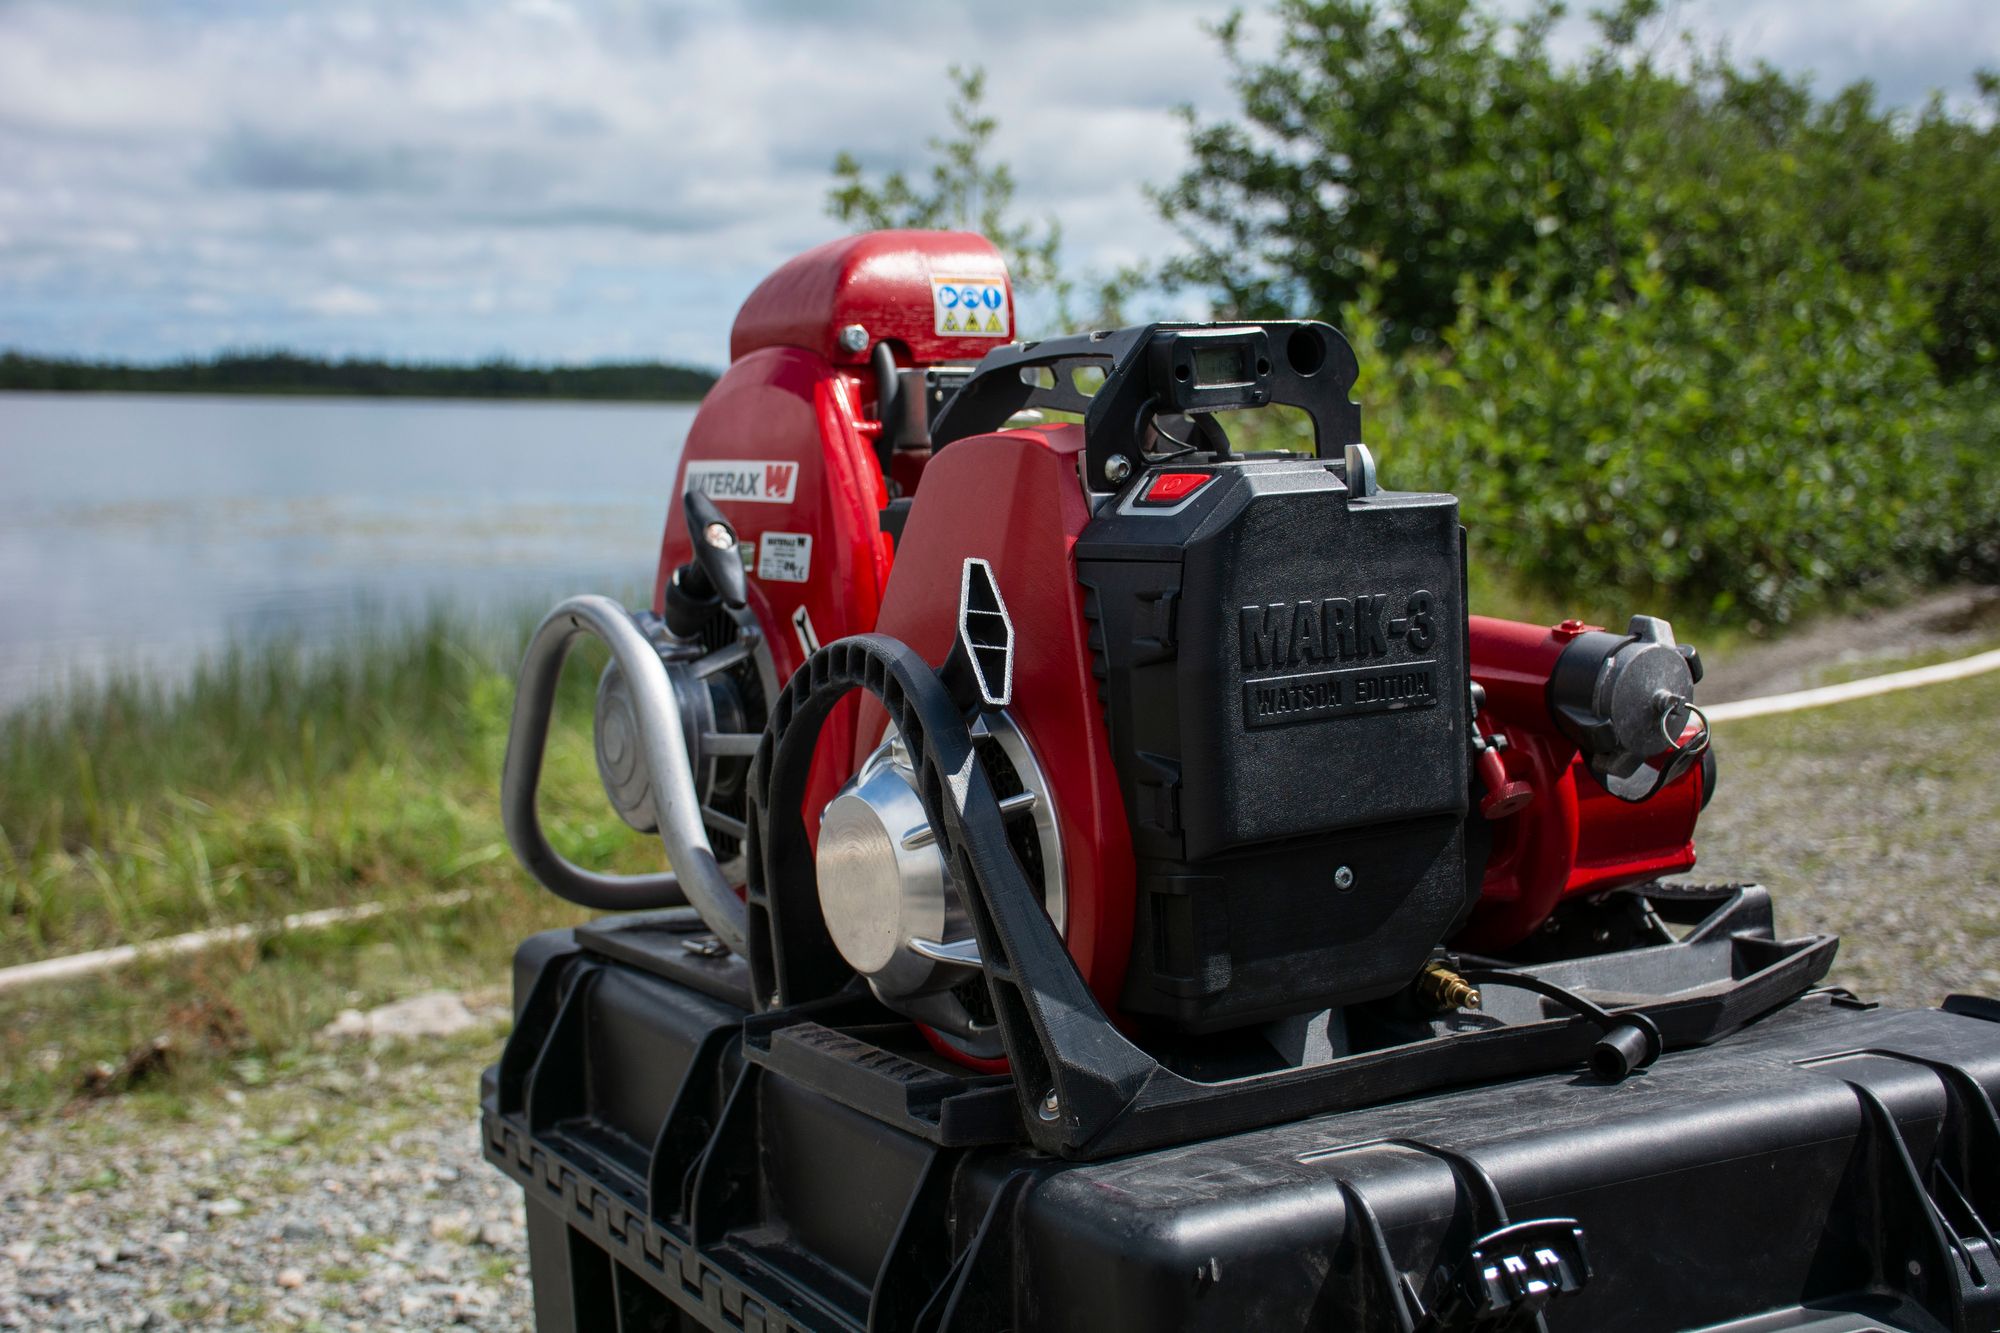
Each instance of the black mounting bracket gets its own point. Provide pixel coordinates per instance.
(1084, 1091)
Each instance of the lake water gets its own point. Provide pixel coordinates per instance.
(142, 532)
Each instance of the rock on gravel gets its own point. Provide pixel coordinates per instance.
(304, 1208)
(432, 1014)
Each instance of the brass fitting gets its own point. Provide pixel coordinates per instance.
(1441, 988)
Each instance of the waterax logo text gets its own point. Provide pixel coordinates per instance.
(755, 480)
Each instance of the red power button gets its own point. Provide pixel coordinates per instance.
(1170, 488)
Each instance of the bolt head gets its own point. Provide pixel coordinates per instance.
(719, 536)
(1051, 1106)
(1343, 878)
(1117, 467)
(853, 338)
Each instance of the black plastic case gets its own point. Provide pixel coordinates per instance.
(1830, 1168)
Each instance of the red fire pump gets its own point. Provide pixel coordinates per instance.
(818, 479)
(1115, 883)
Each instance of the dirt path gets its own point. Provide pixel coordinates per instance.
(1941, 622)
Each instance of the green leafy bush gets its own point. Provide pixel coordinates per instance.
(1674, 329)
(1745, 460)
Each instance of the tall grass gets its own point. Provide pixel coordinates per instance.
(271, 715)
(277, 779)
(274, 778)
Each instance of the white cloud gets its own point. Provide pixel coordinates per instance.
(551, 179)
(341, 301)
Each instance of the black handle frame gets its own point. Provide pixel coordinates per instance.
(1149, 370)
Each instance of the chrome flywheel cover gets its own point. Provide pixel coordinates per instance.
(889, 905)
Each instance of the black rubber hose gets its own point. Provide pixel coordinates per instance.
(1627, 1039)
(888, 402)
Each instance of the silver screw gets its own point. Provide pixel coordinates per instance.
(854, 338)
(1051, 1106)
(1117, 467)
(719, 536)
(1343, 878)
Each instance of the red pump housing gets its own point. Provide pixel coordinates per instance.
(784, 442)
(1570, 836)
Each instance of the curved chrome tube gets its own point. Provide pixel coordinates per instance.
(696, 877)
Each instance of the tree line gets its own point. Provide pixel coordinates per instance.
(291, 373)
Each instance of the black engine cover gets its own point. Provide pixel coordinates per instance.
(1285, 681)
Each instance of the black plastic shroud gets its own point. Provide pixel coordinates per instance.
(1283, 667)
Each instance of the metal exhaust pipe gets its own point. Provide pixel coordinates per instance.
(696, 877)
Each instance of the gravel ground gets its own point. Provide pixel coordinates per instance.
(1879, 820)
(350, 1200)
(1881, 826)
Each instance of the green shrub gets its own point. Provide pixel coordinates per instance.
(1745, 458)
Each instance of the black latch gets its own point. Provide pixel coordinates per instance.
(1513, 1273)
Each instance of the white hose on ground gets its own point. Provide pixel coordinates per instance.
(104, 960)
(1855, 689)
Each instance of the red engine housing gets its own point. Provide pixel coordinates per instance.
(1014, 495)
(784, 442)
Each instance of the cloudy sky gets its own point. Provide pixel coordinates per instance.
(568, 181)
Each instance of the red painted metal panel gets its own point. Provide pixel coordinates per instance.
(1013, 499)
(884, 281)
(1573, 837)
(786, 408)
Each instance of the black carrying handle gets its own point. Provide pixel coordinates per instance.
(1304, 364)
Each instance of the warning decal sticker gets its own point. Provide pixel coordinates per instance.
(970, 307)
(785, 557)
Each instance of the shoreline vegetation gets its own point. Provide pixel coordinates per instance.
(281, 374)
(1665, 322)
